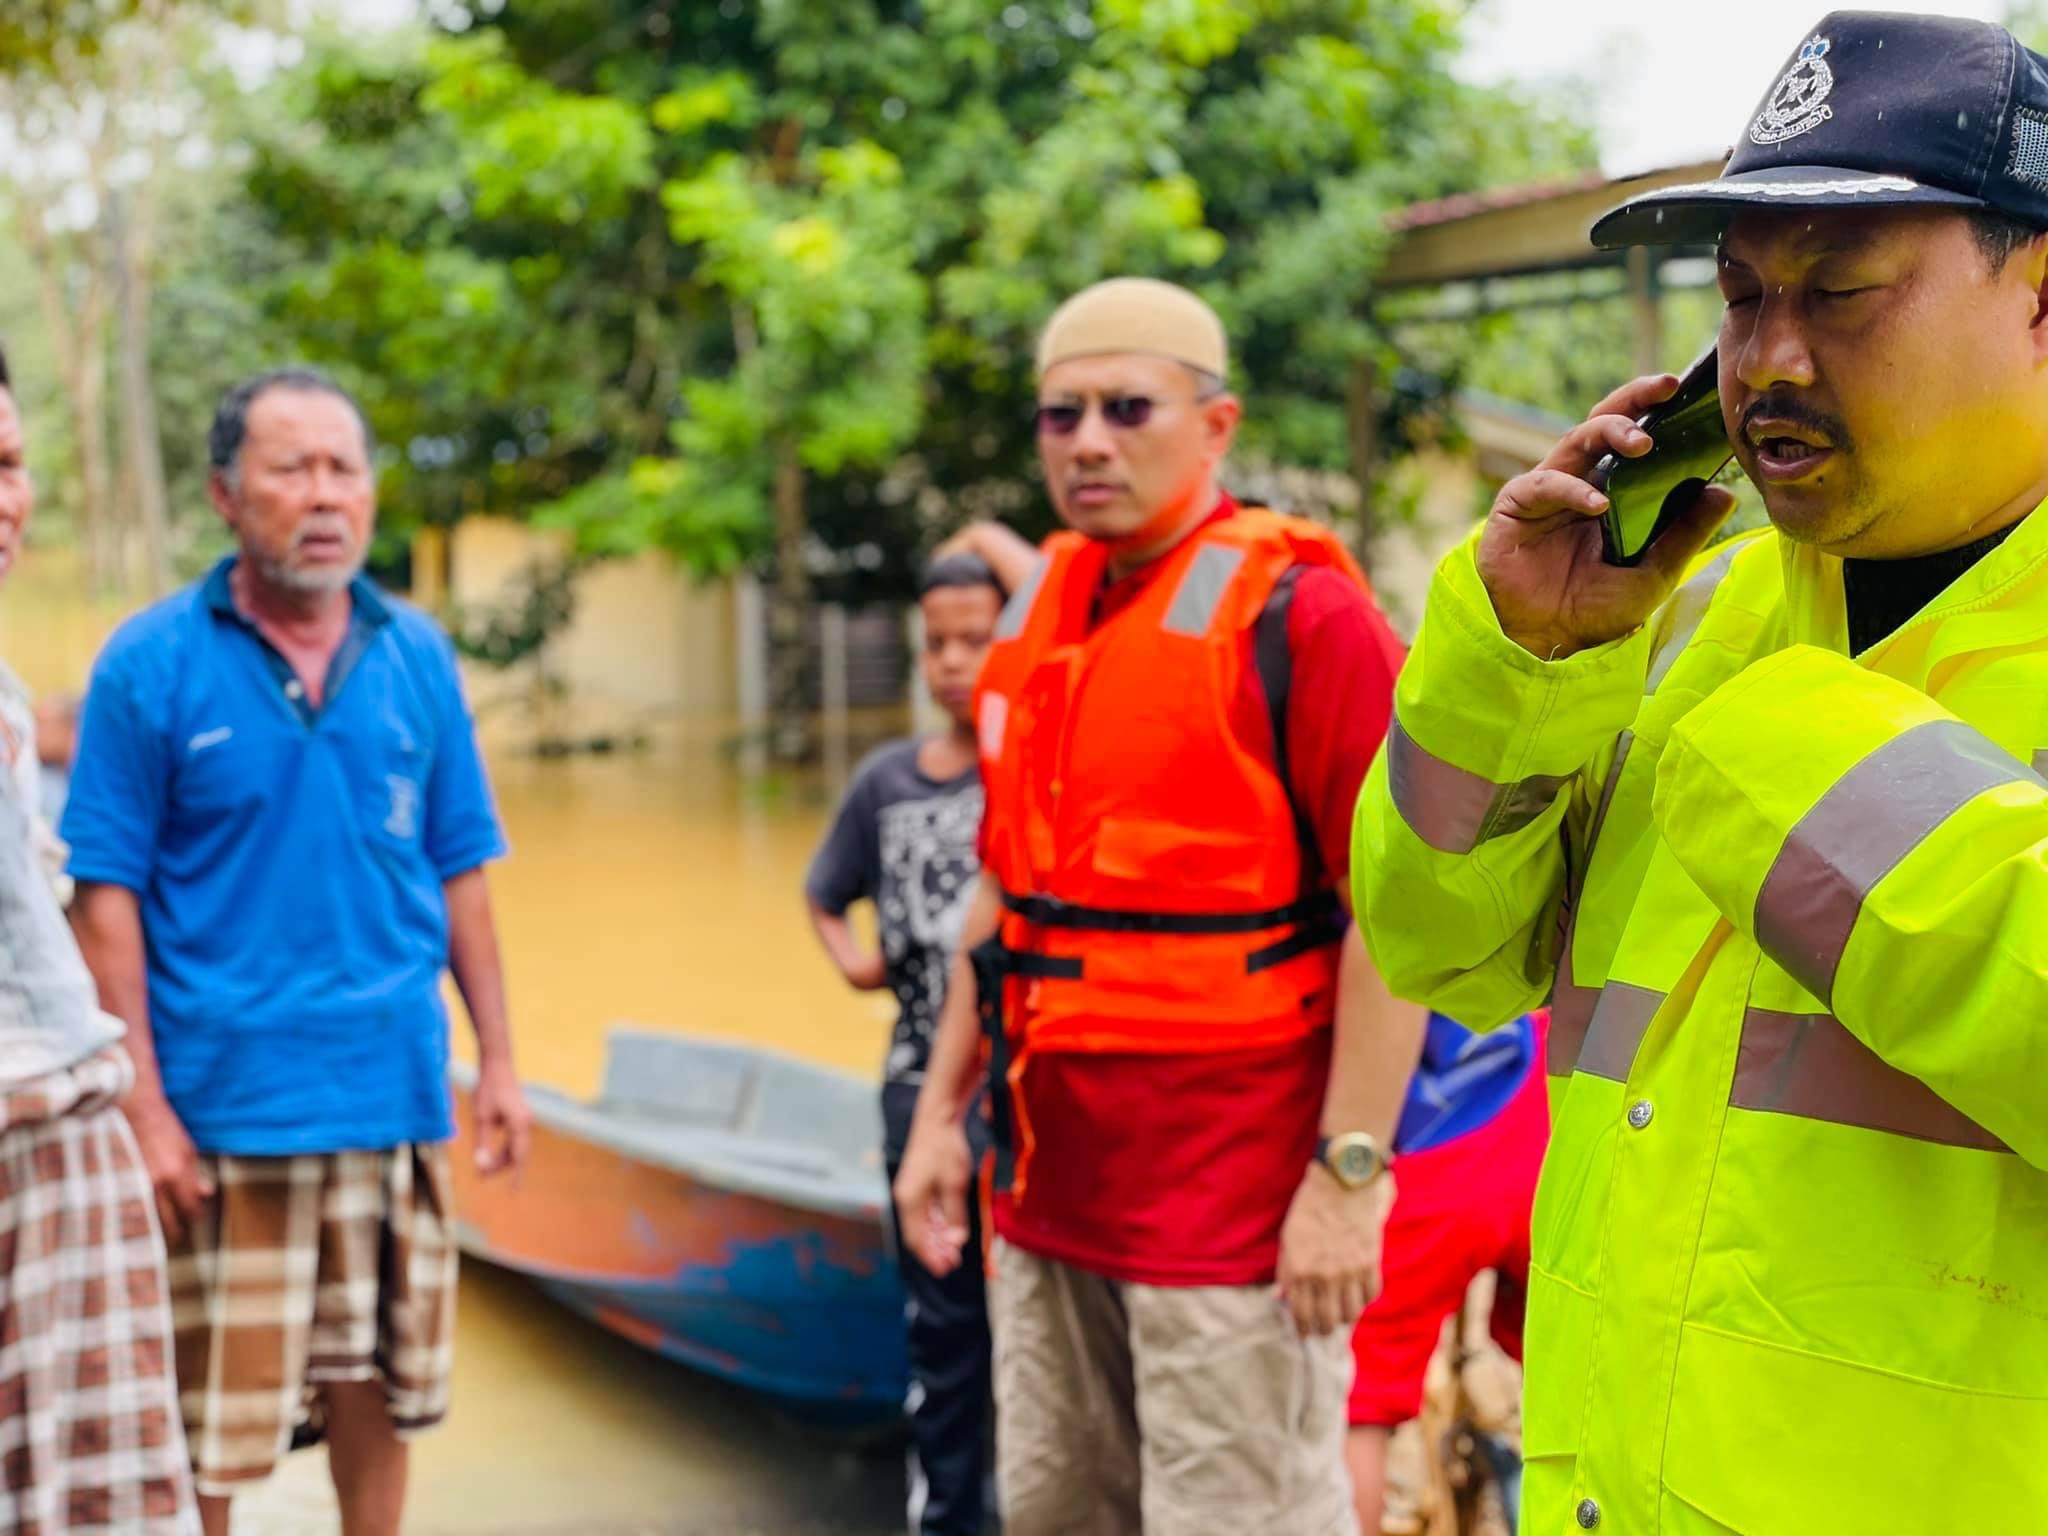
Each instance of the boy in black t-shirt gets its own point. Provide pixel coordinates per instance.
(905, 839)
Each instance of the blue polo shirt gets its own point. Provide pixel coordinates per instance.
(289, 863)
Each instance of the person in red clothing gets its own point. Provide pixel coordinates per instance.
(1470, 1142)
(1204, 1068)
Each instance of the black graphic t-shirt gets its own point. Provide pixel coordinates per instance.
(906, 843)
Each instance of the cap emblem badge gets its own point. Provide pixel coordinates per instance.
(1798, 103)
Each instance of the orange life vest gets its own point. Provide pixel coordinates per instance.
(1158, 896)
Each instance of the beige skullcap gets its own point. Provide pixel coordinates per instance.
(1135, 314)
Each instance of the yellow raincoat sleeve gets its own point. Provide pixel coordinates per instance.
(1482, 794)
(1891, 858)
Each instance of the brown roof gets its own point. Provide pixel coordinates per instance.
(1464, 204)
(1510, 231)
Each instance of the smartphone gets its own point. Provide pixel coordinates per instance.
(1688, 447)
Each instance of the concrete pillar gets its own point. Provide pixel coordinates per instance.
(430, 567)
(833, 693)
(1646, 310)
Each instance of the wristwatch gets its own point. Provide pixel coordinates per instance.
(1354, 1159)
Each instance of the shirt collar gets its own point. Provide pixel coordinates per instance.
(366, 604)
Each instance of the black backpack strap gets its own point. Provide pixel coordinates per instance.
(1274, 658)
(1051, 912)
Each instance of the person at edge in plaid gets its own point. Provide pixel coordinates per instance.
(89, 1433)
(279, 823)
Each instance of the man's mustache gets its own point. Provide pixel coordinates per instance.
(1795, 413)
(321, 528)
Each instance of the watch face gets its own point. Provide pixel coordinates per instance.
(1355, 1163)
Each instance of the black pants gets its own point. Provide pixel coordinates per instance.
(945, 1321)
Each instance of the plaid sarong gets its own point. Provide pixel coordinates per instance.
(89, 1433)
(324, 1267)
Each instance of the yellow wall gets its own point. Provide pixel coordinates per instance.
(646, 639)
(49, 632)
(1447, 489)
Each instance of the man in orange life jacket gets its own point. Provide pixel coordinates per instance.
(1205, 1069)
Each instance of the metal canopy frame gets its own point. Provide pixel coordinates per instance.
(1481, 239)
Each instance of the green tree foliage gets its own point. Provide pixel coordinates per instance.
(504, 357)
(757, 280)
(98, 99)
(44, 36)
(37, 32)
(617, 265)
(1255, 152)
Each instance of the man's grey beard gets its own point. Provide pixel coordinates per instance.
(311, 583)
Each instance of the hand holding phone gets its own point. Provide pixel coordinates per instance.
(1689, 447)
(1542, 553)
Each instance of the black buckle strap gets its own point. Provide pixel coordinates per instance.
(1318, 921)
(1024, 962)
(1312, 935)
(1050, 912)
(994, 962)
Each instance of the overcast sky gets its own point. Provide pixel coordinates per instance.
(1665, 80)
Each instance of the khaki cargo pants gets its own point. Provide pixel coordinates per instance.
(1124, 1409)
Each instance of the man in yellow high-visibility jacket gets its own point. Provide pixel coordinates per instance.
(1771, 822)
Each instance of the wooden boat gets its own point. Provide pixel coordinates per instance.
(717, 1203)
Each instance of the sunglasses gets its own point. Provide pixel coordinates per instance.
(1124, 412)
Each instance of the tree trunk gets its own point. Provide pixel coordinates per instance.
(80, 105)
(789, 715)
(71, 283)
(142, 441)
(103, 541)
(78, 337)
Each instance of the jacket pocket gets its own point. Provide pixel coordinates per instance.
(1772, 1441)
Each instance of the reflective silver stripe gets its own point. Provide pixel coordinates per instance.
(1876, 814)
(1688, 606)
(1011, 624)
(1620, 1020)
(1454, 810)
(1571, 1005)
(2040, 763)
(1201, 588)
(1809, 1065)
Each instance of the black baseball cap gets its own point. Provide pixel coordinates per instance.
(1874, 109)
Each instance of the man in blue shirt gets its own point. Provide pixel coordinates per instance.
(279, 823)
